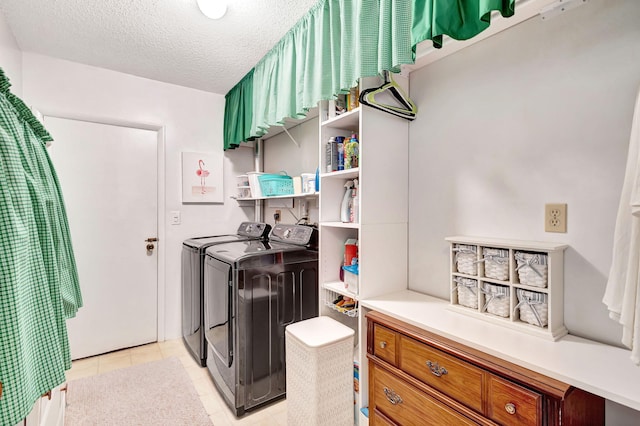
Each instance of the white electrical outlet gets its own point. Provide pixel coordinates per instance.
(555, 218)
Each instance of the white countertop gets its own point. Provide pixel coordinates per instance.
(601, 369)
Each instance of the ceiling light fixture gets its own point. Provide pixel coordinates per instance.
(214, 9)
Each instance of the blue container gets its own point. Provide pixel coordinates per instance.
(340, 142)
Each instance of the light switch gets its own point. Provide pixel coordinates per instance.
(175, 217)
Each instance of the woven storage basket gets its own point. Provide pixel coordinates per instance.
(532, 268)
(533, 306)
(496, 299)
(466, 259)
(496, 263)
(271, 185)
(467, 292)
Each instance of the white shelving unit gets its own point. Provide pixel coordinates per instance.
(548, 319)
(381, 228)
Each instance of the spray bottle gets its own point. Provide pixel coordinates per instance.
(345, 209)
(355, 203)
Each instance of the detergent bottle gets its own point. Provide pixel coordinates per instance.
(345, 209)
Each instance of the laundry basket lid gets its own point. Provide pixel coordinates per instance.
(319, 331)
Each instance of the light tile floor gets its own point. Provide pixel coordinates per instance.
(220, 415)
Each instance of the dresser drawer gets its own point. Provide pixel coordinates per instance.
(384, 344)
(511, 404)
(379, 419)
(449, 375)
(403, 404)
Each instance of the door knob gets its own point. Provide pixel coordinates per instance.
(150, 245)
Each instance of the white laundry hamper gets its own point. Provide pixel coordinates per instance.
(319, 367)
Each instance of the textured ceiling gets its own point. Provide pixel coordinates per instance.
(165, 40)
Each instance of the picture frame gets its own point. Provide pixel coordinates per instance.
(202, 177)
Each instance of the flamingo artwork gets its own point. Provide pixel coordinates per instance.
(202, 177)
(203, 173)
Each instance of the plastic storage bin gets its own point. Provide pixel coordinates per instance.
(254, 184)
(308, 183)
(319, 367)
(271, 185)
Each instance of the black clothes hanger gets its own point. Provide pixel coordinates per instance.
(408, 109)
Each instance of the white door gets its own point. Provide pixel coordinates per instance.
(108, 176)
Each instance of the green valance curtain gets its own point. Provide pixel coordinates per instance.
(38, 279)
(325, 53)
(238, 111)
(459, 19)
(336, 43)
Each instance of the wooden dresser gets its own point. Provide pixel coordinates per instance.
(419, 378)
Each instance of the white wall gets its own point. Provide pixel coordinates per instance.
(193, 121)
(540, 113)
(281, 154)
(10, 57)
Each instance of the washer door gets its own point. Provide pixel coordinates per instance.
(218, 309)
(192, 301)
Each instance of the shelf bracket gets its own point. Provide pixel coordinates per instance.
(291, 137)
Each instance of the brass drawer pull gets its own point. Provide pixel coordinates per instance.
(436, 370)
(393, 397)
(383, 345)
(511, 408)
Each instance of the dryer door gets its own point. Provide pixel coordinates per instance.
(218, 309)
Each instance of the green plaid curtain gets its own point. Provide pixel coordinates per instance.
(324, 54)
(460, 19)
(38, 279)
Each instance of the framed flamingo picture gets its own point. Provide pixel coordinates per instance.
(202, 178)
